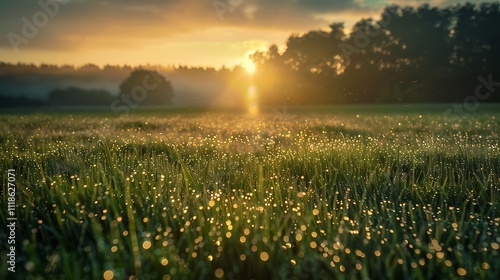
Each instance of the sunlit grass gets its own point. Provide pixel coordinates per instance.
(209, 195)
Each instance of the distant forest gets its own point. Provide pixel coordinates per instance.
(422, 54)
(29, 85)
(408, 55)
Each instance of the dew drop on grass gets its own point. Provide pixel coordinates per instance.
(219, 273)
(264, 256)
(146, 245)
(108, 275)
(461, 271)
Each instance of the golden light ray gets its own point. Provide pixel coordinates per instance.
(253, 106)
(248, 65)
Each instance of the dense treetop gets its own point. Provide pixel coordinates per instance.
(423, 54)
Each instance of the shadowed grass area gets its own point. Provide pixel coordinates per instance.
(333, 194)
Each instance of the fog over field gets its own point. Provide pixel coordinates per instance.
(193, 88)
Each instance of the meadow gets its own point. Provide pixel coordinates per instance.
(356, 192)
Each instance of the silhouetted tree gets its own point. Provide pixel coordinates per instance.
(147, 88)
(423, 54)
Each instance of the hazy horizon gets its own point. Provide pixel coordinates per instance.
(202, 34)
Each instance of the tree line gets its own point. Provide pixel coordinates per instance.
(407, 55)
(137, 90)
(29, 85)
(422, 54)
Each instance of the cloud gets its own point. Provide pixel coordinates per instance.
(107, 25)
(117, 21)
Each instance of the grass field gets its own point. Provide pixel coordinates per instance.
(357, 192)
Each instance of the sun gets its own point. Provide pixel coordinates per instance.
(248, 65)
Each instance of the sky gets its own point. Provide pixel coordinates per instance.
(167, 32)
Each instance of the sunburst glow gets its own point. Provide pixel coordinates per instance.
(253, 107)
(248, 65)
